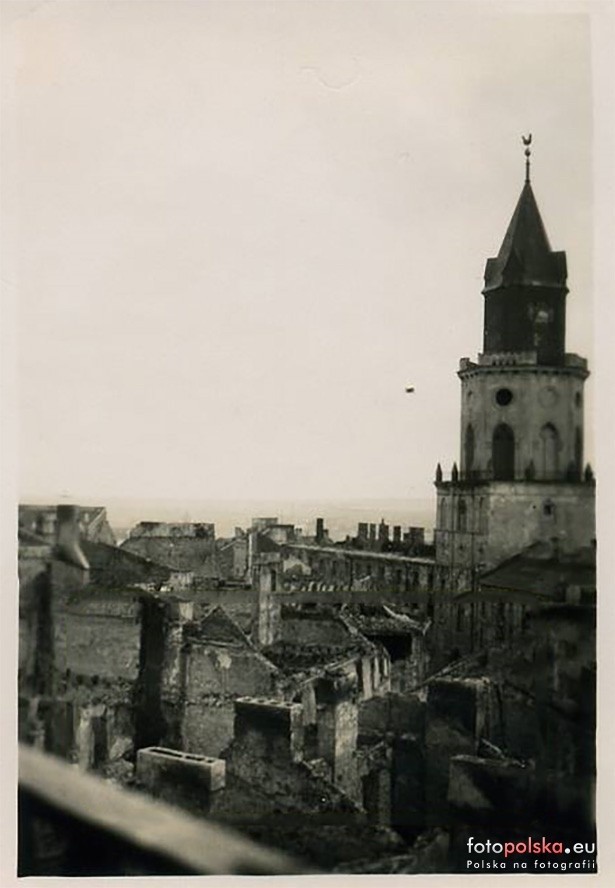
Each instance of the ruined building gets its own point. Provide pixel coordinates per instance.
(42, 520)
(120, 656)
(184, 546)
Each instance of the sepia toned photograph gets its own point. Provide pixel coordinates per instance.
(303, 297)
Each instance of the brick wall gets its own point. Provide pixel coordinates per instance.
(98, 636)
(214, 676)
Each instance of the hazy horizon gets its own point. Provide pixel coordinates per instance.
(341, 516)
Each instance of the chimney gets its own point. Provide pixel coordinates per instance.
(320, 530)
(266, 612)
(67, 536)
(383, 532)
(270, 729)
(183, 779)
(338, 727)
(417, 536)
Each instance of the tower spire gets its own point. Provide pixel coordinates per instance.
(527, 141)
(525, 285)
(525, 257)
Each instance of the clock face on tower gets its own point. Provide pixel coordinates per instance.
(540, 313)
(540, 316)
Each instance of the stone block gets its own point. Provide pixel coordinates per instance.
(160, 769)
(275, 725)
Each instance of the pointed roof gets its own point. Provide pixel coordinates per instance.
(525, 257)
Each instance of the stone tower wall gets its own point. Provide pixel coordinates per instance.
(545, 414)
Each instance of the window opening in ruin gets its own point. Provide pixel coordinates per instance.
(499, 626)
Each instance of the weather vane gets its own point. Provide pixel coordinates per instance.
(527, 141)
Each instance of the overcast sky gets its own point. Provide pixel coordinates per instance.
(244, 228)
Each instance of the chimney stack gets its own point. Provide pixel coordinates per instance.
(266, 610)
(383, 532)
(67, 536)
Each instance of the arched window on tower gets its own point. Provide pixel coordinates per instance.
(549, 451)
(578, 451)
(462, 516)
(503, 453)
(469, 449)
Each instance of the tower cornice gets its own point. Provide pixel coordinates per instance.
(523, 369)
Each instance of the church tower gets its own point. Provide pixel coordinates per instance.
(520, 477)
